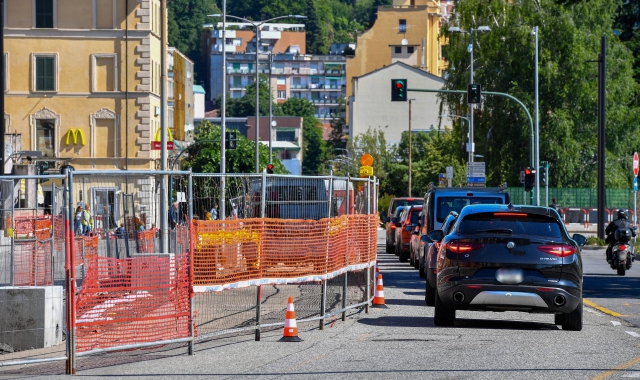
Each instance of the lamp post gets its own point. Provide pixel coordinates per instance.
(468, 133)
(537, 140)
(410, 100)
(456, 29)
(257, 25)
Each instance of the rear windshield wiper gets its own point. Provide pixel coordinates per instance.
(497, 231)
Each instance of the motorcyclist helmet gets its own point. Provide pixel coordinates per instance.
(622, 213)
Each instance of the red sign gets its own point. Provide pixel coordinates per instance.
(157, 145)
(635, 164)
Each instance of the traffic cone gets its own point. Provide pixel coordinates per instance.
(290, 327)
(377, 269)
(378, 297)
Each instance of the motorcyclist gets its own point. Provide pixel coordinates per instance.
(610, 231)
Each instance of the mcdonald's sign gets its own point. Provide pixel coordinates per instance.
(157, 144)
(75, 133)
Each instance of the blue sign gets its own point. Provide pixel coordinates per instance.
(475, 180)
(635, 184)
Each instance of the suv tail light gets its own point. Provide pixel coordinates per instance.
(462, 247)
(558, 250)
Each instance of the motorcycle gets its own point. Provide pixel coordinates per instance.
(623, 252)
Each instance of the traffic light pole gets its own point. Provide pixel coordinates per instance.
(501, 94)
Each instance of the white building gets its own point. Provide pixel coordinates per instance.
(371, 105)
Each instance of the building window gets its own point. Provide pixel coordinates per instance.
(410, 49)
(45, 79)
(398, 49)
(285, 136)
(45, 138)
(44, 13)
(402, 26)
(104, 72)
(282, 94)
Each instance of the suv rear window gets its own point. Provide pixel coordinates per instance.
(453, 203)
(528, 224)
(405, 202)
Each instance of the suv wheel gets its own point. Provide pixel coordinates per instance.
(443, 315)
(573, 321)
(429, 295)
(404, 256)
(389, 248)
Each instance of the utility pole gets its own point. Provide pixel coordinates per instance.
(602, 102)
(164, 202)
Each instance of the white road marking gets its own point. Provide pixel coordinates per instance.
(632, 374)
(633, 334)
(615, 323)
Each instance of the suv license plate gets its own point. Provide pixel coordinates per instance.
(509, 276)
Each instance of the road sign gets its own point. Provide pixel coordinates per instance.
(449, 172)
(635, 164)
(366, 171)
(635, 184)
(475, 169)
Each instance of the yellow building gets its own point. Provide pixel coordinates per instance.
(408, 32)
(83, 80)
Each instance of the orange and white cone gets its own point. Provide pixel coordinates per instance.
(378, 296)
(290, 327)
(377, 269)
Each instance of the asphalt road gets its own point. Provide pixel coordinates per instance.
(401, 342)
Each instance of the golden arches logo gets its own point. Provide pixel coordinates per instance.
(158, 135)
(75, 133)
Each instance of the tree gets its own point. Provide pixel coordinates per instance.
(185, 20)
(569, 38)
(314, 148)
(246, 106)
(204, 153)
(317, 40)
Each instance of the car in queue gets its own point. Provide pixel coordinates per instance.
(429, 266)
(390, 223)
(416, 245)
(408, 222)
(509, 258)
(439, 202)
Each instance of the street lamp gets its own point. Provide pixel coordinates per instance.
(257, 25)
(468, 133)
(456, 29)
(410, 100)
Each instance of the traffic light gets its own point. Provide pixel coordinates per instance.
(543, 175)
(398, 90)
(230, 140)
(42, 167)
(529, 179)
(474, 92)
(270, 169)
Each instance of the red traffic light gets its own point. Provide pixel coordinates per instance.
(399, 84)
(527, 171)
(270, 169)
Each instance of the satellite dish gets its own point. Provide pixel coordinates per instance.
(405, 42)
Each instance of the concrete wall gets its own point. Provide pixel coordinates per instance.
(31, 317)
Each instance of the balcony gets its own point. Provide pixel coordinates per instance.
(217, 48)
(218, 33)
(270, 35)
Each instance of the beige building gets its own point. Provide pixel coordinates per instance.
(408, 32)
(83, 87)
(83, 80)
(371, 105)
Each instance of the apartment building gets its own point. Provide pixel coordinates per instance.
(320, 79)
(180, 95)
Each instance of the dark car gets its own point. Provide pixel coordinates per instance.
(428, 266)
(392, 223)
(509, 258)
(391, 212)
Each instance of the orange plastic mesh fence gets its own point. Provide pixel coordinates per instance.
(32, 263)
(131, 301)
(29, 227)
(146, 241)
(236, 253)
(58, 232)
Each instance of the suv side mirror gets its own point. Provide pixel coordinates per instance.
(426, 239)
(436, 235)
(580, 239)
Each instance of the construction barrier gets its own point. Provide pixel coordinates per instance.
(117, 289)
